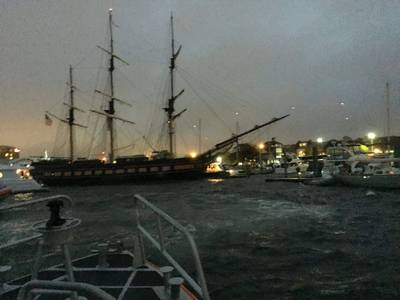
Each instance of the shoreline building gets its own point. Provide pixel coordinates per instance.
(9, 152)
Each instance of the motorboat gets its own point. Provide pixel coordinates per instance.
(18, 179)
(292, 165)
(374, 174)
(112, 270)
(353, 168)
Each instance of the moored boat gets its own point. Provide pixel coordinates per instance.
(386, 181)
(358, 169)
(18, 179)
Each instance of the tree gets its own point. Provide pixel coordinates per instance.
(246, 151)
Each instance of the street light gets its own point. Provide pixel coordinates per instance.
(261, 147)
(371, 136)
(320, 140)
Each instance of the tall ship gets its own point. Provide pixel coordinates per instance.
(162, 164)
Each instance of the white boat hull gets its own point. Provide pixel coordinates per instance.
(18, 184)
(370, 181)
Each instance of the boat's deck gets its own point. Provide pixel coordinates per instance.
(119, 279)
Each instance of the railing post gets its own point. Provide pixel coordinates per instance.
(139, 245)
(166, 272)
(175, 284)
(38, 258)
(160, 233)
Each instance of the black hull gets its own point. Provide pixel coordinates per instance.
(53, 173)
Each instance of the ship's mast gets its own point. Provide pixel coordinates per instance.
(388, 121)
(111, 111)
(71, 118)
(171, 101)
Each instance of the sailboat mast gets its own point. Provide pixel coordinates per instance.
(111, 110)
(388, 116)
(71, 118)
(171, 108)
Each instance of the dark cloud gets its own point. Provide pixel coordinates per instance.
(258, 58)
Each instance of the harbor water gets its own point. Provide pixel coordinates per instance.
(257, 240)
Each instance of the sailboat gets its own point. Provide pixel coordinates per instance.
(129, 169)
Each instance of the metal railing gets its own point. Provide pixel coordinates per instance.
(201, 287)
(4, 208)
(46, 287)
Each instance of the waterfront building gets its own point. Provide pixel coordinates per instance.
(9, 152)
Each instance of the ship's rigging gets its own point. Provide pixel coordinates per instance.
(70, 120)
(170, 109)
(109, 113)
(168, 128)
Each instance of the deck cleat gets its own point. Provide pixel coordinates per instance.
(166, 272)
(175, 283)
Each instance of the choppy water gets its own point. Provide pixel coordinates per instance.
(257, 240)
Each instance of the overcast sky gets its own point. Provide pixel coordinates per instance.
(258, 58)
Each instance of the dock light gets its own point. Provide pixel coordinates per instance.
(320, 140)
(16, 150)
(219, 159)
(261, 146)
(110, 9)
(193, 154)
(371, 136)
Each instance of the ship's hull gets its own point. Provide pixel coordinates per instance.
(370, 181)
(122, 172)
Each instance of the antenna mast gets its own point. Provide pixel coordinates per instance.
(171, 101)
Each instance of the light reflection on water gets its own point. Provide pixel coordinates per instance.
(215, 180)
(23, 197)
(16, 224)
